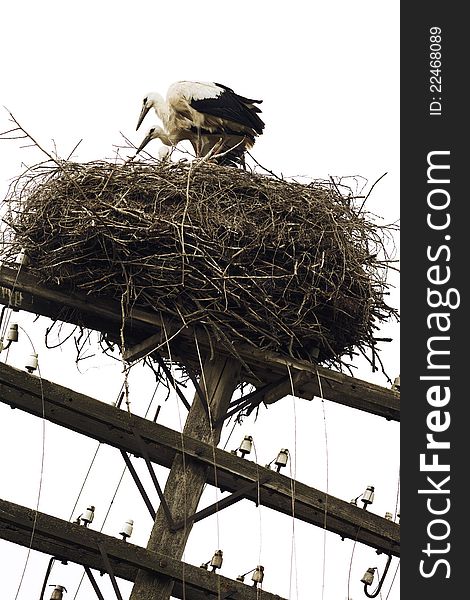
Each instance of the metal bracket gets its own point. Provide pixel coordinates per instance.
(109, 569)
(253, 398)
(94, 585)
(220, 505)
(376, 592)
(164, 504)
(49, 564)
(139, 485)
(269, 393)
(230, 595)
(199, 391)
(194, 381)
(170, 377)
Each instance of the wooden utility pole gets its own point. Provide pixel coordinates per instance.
(187, 478)
(115, 427)
(192, 456)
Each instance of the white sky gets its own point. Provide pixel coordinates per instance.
(329, 77)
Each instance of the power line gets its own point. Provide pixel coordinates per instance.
(293, 473)
(327, 484)
(41, 472)
(117, 486)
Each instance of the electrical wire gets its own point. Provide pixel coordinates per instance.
(183, 460)
(41, 472)
(103, 524)
(393, 581)
(183, 457)
(117, 486)
(90, 467)
(4, 320)
(8, 305)
(352, 555)
(85, 480)
(185, 491)
(397, 496)
(236, 421)
(378, 575)
(293, 475)
(230, 434)
(327, 484)
(125, 366)
(396, 513)
(258, 493)
(83, 486)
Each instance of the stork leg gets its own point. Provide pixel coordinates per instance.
(198, 144)
(239, 157)
(213, 151)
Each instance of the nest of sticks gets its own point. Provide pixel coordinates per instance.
(282, 266)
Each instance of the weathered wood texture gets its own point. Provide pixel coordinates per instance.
(187, 477)
(145, 331)
(113, 426)
(78, 544)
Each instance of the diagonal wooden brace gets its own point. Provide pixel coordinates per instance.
(221, 504)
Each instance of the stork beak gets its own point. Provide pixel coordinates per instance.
(143, 112)
(144, 142)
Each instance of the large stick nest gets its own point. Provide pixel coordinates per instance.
(280, 265)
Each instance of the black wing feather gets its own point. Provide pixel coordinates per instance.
(229, 105)
(242, 98)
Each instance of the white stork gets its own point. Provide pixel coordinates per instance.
(211, 116)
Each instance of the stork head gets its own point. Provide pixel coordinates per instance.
(151, 100)
(163, 152)
(153, 134)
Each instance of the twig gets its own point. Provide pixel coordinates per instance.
(370, 191)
